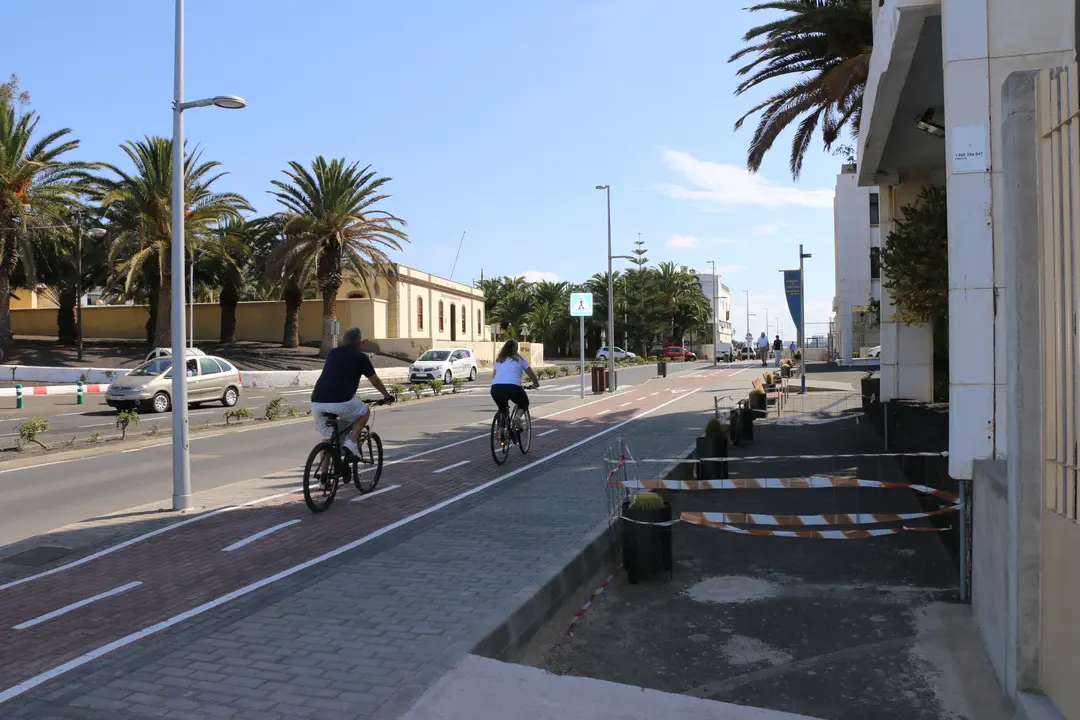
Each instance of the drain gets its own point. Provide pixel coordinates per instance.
(37, 556)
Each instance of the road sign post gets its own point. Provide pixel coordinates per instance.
(581, 308)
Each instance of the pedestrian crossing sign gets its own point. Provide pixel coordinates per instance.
(580, 304)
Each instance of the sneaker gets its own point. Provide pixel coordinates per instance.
(351, 448)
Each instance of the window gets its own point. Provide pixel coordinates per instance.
(440, 316)
(208, 366)
(478, 326)
(875, 263)
(875, 210)
(225, 367)
(419, 313)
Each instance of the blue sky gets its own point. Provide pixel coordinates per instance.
(494, 118)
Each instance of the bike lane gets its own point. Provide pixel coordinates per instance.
(52, 623)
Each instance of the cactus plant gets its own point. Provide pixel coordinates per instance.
(648, 501)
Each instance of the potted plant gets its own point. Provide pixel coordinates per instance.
(646, 544)
(759, 405)
(785, 369)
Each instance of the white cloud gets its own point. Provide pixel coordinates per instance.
(770, 229)
(717, 184)
(538, 276)
(681, 242)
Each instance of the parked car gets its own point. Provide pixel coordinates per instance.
(167, 352)
(443, 365)
(674, 352)
(874, 352)
(620, 354)
(209, 379)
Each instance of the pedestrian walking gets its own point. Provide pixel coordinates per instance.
(763, 349)
(778, 349)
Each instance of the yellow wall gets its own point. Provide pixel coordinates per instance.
(25, 298)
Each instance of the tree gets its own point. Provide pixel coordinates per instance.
(55, 264)
(139, 206)
(333, 226)
(226, 256)
(826, 45)
(37, 187)
(680, 301)
(915, 259)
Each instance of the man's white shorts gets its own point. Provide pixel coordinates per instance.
(348, 412)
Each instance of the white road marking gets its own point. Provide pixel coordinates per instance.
(655, 393)
(603, 412)
(373, 494)
(18, 419)
(738, 371)
(451, 467)
(624, 404)
(80, 427)
(640, 398)
(75, 606)
(258, 536)
(77, 662)
(579, 421)
(547, 432)
(145, 447)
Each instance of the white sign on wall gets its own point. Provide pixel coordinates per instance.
(969, 153)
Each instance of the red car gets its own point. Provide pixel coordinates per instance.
(678, 353)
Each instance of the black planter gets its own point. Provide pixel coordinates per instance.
(747, 424)
(646, 549)
(759, 404)
(785, 371)
(712, 448)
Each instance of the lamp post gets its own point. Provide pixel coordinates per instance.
(610, 294)
(802, 317)
(715, 291)
(181, 444)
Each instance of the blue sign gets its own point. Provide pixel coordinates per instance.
(793, 290)
(580, 304)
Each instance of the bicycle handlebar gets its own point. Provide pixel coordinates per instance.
(380, 401)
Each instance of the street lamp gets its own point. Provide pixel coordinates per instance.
(715, 320)
(181, 444)
(610, 293)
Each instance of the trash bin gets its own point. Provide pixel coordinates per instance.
(599, 384)
(661, 369)
(710, 448)
(647, 551)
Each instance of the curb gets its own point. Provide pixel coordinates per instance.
(53, 390)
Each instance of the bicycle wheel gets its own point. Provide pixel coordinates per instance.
(368, 469)
(322, 473)
(524, 436)
(500, 440)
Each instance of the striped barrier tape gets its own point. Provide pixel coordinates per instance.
(595, 594)
(815, 534)
(792, 483)
(728, 518)
(944, 453)
(665, 523)
(53, 390)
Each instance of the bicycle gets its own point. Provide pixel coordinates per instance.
(503, 435)
(327, 465)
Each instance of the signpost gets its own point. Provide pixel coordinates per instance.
(581, 308)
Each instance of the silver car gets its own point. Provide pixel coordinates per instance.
(209, 379)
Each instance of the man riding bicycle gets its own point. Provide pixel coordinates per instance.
(506, 385)
(335, 390)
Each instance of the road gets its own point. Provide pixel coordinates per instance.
(57, 492)
(54, 622)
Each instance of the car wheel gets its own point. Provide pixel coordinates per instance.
(231, 397)
(472, 373)
(447, 377)
(161, 403)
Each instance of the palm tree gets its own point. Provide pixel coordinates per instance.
(139, 205)
(36, 188)
(679, 299)
(54, 262)
(225, 258)
(826, 44)
(333, 226)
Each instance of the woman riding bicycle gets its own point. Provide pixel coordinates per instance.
(506, 385)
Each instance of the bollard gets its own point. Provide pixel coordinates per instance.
(80, 389)
(18, 397)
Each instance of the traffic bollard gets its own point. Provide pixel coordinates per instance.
(80, 390)
(18, 397)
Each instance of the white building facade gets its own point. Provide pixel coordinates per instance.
(857, 242)
(980, 97)
(719, 296)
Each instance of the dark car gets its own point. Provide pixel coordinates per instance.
(677, 353)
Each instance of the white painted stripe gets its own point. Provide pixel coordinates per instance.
(604, 412)
(655, 393)
(139, 449)
(624, 404)
(77, 662)
(451, 467)
(373, 494)
(258, 536)
(75, 606)
(547, 432)
(18, 419)
(576, 422)
(640, 398)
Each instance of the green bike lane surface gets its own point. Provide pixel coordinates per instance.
(172, 578)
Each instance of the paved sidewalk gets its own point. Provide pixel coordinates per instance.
(365, 633)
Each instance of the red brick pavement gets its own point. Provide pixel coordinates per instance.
(182, 569)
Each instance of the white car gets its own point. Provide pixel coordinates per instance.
(167, 352)
(443, 364)
(874, 352)
(620, 354)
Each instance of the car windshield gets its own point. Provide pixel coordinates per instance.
(434, 356)
(153, 368)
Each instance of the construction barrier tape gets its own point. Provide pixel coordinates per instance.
(596, 593)
(795, 457)
(792, 483)
(694, 518)
(729, 518)
(666, 523)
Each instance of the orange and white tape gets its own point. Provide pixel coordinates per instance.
(791, 483)
(815, 534)
(730, 518)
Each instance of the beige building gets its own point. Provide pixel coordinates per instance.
(982, 96)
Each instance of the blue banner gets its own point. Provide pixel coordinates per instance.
(793, 292)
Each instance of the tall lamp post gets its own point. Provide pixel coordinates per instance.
(715, 320)
(802, 316)
(181, 444)
(611, 292)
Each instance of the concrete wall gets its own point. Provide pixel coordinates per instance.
(485, 352)
(854, 238)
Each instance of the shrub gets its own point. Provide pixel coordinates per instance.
(436, 387)
(397, 392)
(564, 370)
(95, 438)
(29, 430)
(648, 501)
(274, 409)
(153, 431)
(418, 390)
(237, 415)
(124, 418)
(458, 385)
(70, 442)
